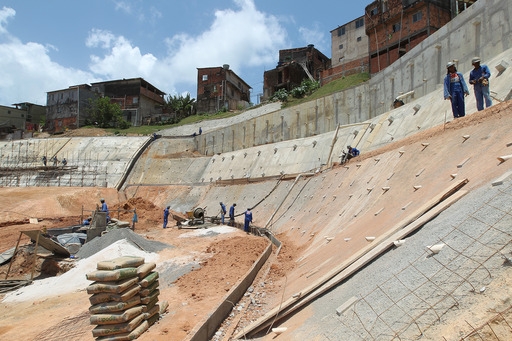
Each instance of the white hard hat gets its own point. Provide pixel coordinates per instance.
(475, 60)
(450, 64)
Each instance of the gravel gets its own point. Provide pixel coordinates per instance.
(100, 243)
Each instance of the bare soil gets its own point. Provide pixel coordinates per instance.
(224, 259)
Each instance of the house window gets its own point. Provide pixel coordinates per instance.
(215, 88)
(205, 78)
(359, 38)
(396, 27)
(374, 11)
(341, 46)
(416, 17)
(341, 31)
(135, 100)
(359, 22)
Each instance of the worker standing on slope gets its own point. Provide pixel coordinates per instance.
(232, 215)
(454, 89)
(479, 77)
(248, 220)
(222, 212)
(166, 216)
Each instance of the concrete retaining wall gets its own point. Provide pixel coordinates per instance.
(483, 29)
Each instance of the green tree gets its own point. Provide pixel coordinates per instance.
(106, 114)
(180, 105)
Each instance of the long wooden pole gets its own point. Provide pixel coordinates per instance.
(13, 255)
(35, 256)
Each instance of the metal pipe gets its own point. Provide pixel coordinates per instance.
(286, 196)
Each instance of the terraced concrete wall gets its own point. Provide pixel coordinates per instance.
(169, 161)
(483, 29)
(91, 161)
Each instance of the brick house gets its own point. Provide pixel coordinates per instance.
(219, 88)
(140, 102)
(349, 51)
(394, 27)
(293, 67)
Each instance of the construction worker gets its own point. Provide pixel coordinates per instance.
(232, 215)
(454, 89)
(55, 160)
(248, 220)
(166, 216)
(352, 152)
(64, 162)
(44, 160)
(104, 208)
(87, 221)
(222, 212)
(479, 77)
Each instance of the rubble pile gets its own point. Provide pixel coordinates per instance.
(124, 298)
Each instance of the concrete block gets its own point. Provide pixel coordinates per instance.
(502, 66)
(345, 306)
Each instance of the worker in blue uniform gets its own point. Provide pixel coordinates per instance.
(104, 208)
(222, 212)
(166, 216)
(454, 89)
(232, 215)
(479, 77)
(248, 220)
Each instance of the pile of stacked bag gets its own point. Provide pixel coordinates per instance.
(124, 298)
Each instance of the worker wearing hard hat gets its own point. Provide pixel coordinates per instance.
(454, 89)
(479, 77)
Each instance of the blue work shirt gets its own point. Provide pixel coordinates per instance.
(454, 82)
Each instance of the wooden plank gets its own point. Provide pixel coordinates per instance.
(47, 243)
(293, 303)
(375, 252)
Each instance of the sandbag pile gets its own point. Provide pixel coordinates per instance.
(124, 301)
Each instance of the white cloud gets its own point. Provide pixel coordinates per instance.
(123, 60)
(241, 38)
(316, 36)
(5, 14)
(123, 6)
(27, 72)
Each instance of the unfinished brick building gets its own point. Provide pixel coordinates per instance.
(140, 102)
(220, 88)
(396, 26)
(294, 66)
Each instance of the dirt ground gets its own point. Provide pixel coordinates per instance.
(190, 297)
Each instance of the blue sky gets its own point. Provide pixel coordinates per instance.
(51, 45)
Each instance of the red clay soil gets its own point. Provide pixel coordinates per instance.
(224, 259)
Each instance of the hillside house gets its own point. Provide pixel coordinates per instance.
(68, 108)
(293, 67)
(140, 101)
(220, 88)
(349, 51)
(394, 27)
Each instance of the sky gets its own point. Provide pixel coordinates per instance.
(53, 44)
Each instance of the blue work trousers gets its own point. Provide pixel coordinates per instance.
(482, 93)
(458, 107)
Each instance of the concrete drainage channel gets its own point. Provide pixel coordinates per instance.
(207, 329)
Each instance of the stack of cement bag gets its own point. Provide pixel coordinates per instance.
(124, 298)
